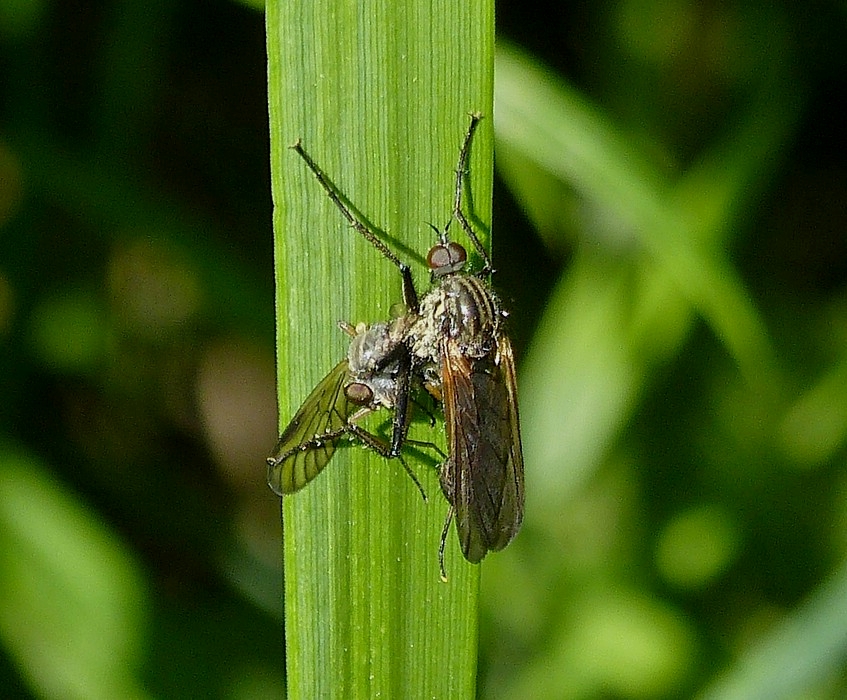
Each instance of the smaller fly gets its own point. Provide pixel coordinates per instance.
(374, 375)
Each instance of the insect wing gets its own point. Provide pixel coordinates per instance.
(309, 441)
(513, 490)
(483, 477)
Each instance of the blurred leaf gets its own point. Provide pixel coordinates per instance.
(651, 251)
(614, 642)
(72, 603)
(815, 426)
(800, 651)
(70, 332)
(628, 202)
(697, 546)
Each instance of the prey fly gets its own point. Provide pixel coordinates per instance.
(375, 374)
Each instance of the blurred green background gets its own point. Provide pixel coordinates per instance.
(670, 227)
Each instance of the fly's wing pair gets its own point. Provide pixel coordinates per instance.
(309, 441)
(483, 477)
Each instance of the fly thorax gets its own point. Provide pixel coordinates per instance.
(427, 328)
(370, 348)
(462, 308)
(371, 359)
(472, 314)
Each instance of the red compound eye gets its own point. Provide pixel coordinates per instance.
(358, 393)
(446, 257)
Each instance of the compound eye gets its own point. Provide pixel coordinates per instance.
(359, 394)
(445, 258)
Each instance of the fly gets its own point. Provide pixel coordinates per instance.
(374, 375)
(459, 328)
(453, 342)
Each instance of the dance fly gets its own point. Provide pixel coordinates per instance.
(459, 328)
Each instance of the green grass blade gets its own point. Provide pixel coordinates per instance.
(379, 93)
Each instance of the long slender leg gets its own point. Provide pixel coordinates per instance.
(368, 439)
(313, 443)
(378, 446)
(410, 294)
(400, 421)
(461, 171)
(444, 534)
(344, 209)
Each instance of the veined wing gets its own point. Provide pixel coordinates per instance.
(483, 476)
(309, 441)
(513, 492)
